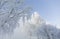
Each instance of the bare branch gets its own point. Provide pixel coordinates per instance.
(2, 4)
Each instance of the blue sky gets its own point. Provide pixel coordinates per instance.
(48, 9)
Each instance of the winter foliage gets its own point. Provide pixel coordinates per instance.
(36, 28)
(10, 13)
(17, 23)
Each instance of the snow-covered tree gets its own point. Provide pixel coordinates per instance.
(36, 28)
(10, 13)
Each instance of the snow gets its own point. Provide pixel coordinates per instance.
(14, 24)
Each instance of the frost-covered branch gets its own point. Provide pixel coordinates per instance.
(9, 19)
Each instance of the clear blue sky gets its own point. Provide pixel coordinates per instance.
(48, 9)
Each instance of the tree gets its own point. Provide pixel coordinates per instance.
(48, 31)
(10, 13)
(36, 28)
(32, 25)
